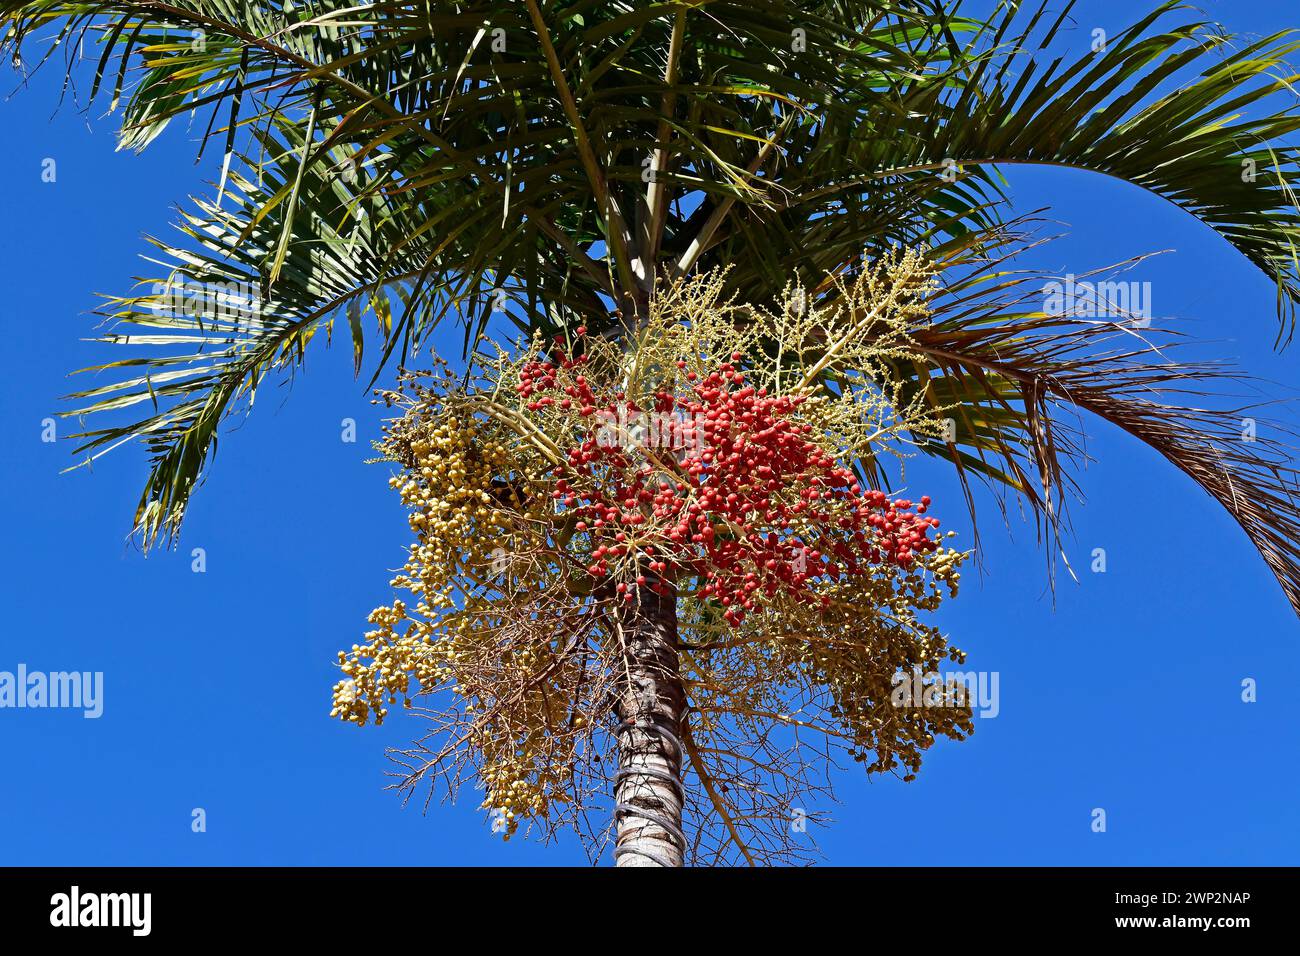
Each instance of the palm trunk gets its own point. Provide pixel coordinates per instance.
(650, 705)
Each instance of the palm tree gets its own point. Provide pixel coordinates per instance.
(393, 164)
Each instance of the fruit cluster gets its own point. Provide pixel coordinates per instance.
(450, 484)
(543, 507)
(753, 504)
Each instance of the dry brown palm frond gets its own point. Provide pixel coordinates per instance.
(1022, 381)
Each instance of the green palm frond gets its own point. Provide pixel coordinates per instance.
(1215, 145)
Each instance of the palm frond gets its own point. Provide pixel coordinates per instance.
(1021, 383)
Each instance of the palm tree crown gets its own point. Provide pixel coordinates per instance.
(386, 166)
(393, 164)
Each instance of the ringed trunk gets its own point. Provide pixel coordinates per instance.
(650, 704)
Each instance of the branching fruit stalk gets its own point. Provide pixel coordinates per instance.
(589, 509)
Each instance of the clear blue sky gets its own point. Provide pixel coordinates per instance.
(1123, 694)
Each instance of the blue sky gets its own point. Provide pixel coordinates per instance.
(1124, 692)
